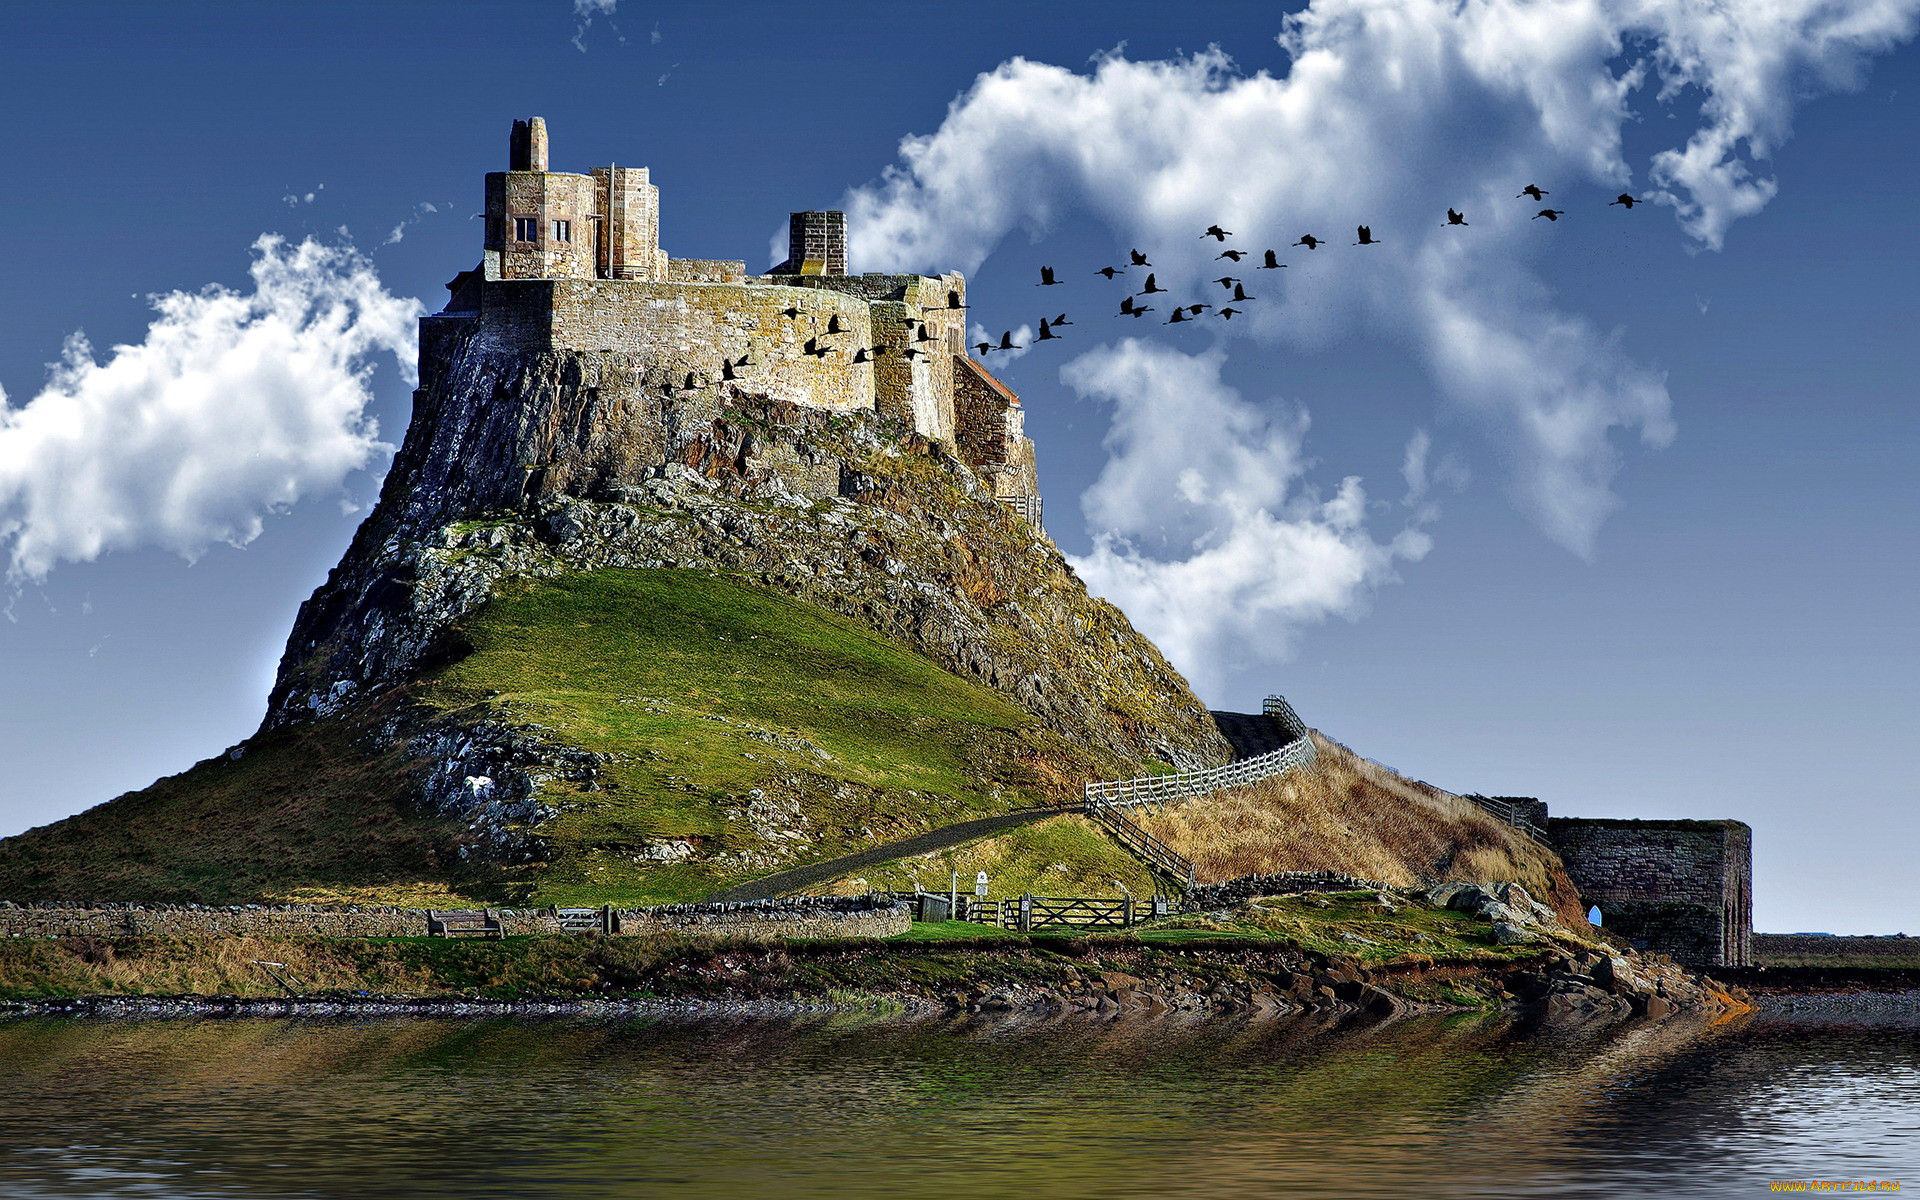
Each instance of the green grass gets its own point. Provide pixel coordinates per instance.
(1061, 856)
(703, 689)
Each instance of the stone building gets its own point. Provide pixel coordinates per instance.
(573, 262)
(1683, 888)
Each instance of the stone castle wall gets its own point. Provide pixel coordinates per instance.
(1768, 946)
(1683, 888)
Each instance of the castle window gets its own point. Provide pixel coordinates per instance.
(526, 229)
(563, 231)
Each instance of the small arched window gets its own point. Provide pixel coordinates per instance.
(1593, 915)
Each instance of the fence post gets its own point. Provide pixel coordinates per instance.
(1026, 914)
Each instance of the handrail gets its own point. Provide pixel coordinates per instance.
(1142, 843)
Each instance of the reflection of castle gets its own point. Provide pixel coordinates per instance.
(573, 262)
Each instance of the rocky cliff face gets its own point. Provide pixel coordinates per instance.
(523, 466)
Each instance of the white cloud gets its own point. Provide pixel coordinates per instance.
(586, 11)
(234, 406)
(1210, 538)
(1391, 110)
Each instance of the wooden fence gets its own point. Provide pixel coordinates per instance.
(1160, 789)
(1061, 912)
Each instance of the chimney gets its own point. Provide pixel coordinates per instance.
(527, 147)
(817, 243)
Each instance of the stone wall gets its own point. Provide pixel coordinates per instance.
(1683, 888)
(990, 431)
(803, 918)
(1769, 946)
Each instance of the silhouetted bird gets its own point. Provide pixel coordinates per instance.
(1309, 241)
(1366, 236)
(1226, 281)
(742, 361)
(814, 348)
(1179, 315)
(1006, 342)
(1139, 259)
(925, 334)
(1194, 310)
(983, 347)
(953, 301)
(1273, 262)
(1534, 190)
(1456, 218)
(911, 353)
(1625, 201)
(1551, 214)
(1109, 272)
(1046, 333)
(1217, 234)
(1229, 312)
(1061, 320)
(833, 324)
(1128, 309)
(867, 354)
(726, 371)
(1046, 278)
(1151, 287)
(1240, 295)
(790, 312)
(690, 383)
(1235, 255)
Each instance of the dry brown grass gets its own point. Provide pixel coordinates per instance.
(1349, 814)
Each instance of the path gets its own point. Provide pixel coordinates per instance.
(767, 887)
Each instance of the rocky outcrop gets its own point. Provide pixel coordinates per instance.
(525, 466)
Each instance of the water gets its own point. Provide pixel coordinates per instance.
(854, 1107)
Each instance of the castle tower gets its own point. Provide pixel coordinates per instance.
(545, 224)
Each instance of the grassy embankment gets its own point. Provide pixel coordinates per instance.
(760, 730)
(921, 962)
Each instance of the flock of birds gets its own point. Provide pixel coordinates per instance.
(820, 346)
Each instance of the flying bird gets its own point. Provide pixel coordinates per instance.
(1235, 255)
(1195, 310)
(983, 347)
(1226, 281)
(1240, 295)
(1061, 320)
(1366, 236)
(1456, 218)
(1273, 262)
(1046, 278)
(1109, 272)
(1217, 234)
(1625, 201)
(1128, 309)
(791, 312)
(1006, 342)
(1551, 214)
(1179, 315)
(1229, 312)
(925, 334)
(814, 348)
(953, 301)
(1309, 241)
(726, 370)
(1046, 333)
(690, 384)
(1151, 287)
(868, 353)
(1139, 259)
(1534, 190)
(833, 324)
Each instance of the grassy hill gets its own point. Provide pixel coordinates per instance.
(741, 727)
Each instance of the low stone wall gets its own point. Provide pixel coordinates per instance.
(832, 916)
(801, 918)
(1778, 945)
(1285, 883)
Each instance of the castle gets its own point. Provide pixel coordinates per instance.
(573, 262)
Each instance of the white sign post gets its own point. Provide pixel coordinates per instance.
(980, 884)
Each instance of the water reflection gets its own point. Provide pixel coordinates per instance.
(861, 1106)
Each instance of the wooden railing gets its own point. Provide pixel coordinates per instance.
(1159, 789)
(1142, 844)
(1055, 912)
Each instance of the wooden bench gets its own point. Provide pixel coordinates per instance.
(482, 924)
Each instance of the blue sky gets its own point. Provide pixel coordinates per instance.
(1656, 556)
